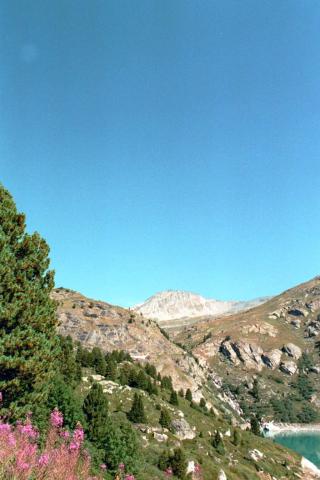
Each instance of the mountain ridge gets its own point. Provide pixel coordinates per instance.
(168, 305)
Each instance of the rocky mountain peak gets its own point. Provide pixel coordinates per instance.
(178, 304)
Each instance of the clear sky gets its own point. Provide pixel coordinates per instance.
(165, 144)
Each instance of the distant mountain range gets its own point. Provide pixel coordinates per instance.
(177, 304)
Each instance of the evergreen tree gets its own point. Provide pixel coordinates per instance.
(202, 403)
(98, 361)
(69, 367)
(179, 463)
(255, 425)
(166, 383)
(121, 446)
(255, 392)
(28, 342)
(217, 443)
(95, 409)
(137, 414)
(181, 393)
(188, 395)
(165, 419)
(63, 397)
(174, 398)
(236, 437)
(111, 369)
(164, 460)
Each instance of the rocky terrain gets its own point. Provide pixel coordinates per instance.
(174, 309)
(109, 327)
(213, 357)
(268, 342)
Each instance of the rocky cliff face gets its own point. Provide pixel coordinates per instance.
(167, 306)
(96, 323)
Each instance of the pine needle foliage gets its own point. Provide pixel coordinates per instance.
(28, 342)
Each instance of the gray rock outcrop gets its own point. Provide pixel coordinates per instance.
(182, 429)
(292, 350)
(289, 367)
(272, 359)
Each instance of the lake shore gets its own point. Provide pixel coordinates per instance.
(272, 429)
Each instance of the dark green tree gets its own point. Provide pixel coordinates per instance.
(255, 425)
(202, 403)
(111, 369)
(217, 443)
(98, 361)
(121, 446)
(179, 463)
(236, 437)
(63, 396)
(95, 409)
(188, 395)
(165, 419)
(69, 366)
(137, 413)
(174, 398)
(28, 342)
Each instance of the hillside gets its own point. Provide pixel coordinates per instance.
(275, 343)
(99, 324)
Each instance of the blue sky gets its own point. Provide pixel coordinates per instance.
(165, 144)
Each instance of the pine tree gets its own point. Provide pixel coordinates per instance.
(28, 342)
(236, 437)
(188, 395)
(179, 463)
(217, 443)
(165, 419)
(111, 370)
(121, 446)
(137, 414)
(181, 393)
(98, 361)
(174, 398)
(255, 425)
(95, 409)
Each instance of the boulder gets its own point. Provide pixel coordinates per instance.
(249, 354)
(312, 331)
(182, 429)
(289, 367)
(296, 323)
(227, 350)
(222, 475)
(292, 350)
(160, 437)
(314, 305)
(272, 359)
(315, 369)
(255, 455)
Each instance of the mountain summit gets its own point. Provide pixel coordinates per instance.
(177, 304)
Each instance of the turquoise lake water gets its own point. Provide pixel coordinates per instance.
(307, 444)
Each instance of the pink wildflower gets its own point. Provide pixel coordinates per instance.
(65, 434)
(103, 466)
(78, 434)
(121, 466)
(129, 477)
(1, 397)
(28, 430)
(43, 460)
(56, 418)
(168, 472)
